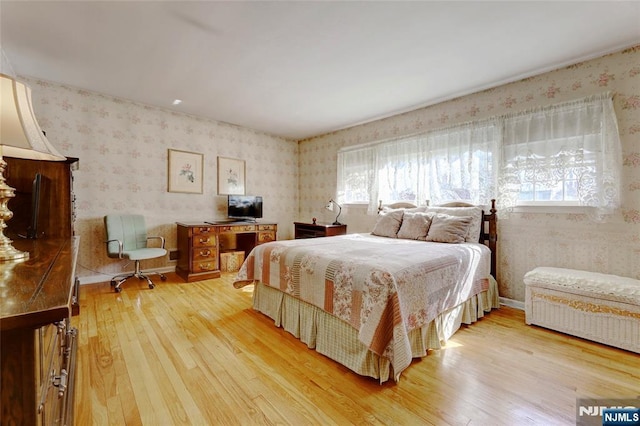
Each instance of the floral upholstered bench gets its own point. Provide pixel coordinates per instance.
(599, 307)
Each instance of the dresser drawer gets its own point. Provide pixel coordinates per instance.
(271, 227)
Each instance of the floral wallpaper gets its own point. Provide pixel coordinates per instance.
(123, 147)
(123, 150)
(529, 238)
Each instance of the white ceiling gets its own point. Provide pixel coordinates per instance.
(299, 69)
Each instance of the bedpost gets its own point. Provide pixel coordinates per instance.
(493, 237)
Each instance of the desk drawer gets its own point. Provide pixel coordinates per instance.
(238, 228)
(204, 266)
(204, 253)
(270, 227)
(203, 230)
(265, 237)
(206, 240)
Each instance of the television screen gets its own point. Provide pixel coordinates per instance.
(247, 207)
(37, 208)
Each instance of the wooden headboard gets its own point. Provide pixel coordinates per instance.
(488, 232)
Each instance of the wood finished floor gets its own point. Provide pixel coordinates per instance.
(196, 353)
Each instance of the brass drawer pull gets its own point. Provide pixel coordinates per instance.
(205, 253)
(204, 240)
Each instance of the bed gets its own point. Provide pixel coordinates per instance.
(373, 302)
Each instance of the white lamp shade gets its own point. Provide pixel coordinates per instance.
(20, 134)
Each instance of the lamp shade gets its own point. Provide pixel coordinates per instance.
(331, 205)
(20, 134)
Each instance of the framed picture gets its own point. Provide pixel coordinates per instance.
(230, 176)
(185, 172)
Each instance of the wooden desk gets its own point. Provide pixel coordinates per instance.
(37, 342)
(201, 243)
(314, 230)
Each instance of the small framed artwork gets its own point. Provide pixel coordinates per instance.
(230, 176)
(185, 172)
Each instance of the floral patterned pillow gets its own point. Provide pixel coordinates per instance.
(415, 225)
(448, 229)
(388, 223)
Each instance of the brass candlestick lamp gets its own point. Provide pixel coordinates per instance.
(20, 137)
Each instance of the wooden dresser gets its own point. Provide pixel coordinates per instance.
(200, 245)
(37, 342)
(38, 298)
(315, 230)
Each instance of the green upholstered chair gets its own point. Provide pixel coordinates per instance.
(127, 239)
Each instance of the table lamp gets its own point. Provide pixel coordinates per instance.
(20, 137)
(331, 206)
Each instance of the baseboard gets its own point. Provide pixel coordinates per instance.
(102, 278)
(516, 304)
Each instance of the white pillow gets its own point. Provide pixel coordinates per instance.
(448, 229)
(415, 225)
(475, 212)
(388, 223)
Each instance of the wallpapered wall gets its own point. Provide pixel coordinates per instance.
(530, 238)
(122, 147)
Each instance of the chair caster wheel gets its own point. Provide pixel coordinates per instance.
(113, 283)
(163, 278)
(151, 286)
(118, 289)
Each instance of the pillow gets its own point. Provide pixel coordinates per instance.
(388, 223)
(448, 229)
(415, 225)
(475, 212)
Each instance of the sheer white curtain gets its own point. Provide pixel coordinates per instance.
(569, 153)
(399, 168)
(446, 165)
(459, 163)
(357, 176)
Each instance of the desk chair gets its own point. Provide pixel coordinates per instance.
(127, 239)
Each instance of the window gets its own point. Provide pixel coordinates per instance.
(447, 165)
(567, 154)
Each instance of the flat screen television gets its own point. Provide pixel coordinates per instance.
(36, 208)
(244, 207)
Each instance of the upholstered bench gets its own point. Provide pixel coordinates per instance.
(599, 307)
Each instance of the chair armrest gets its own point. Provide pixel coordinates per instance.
(157, 238)
(120, 246)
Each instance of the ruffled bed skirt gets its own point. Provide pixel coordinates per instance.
(338, 340)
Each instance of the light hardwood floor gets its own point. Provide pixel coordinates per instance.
(196, 353)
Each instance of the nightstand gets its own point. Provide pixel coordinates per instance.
(314, 230)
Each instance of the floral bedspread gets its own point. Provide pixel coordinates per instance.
(383, 287)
